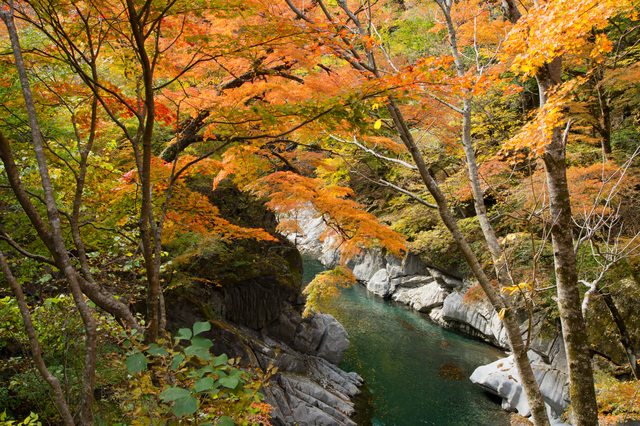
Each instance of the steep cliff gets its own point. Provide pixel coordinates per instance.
(251, 294)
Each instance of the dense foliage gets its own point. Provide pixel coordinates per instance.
(121, 120)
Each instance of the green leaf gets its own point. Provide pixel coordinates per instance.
(135, 363)
(185, 406)
(203, 384)
(219, 360)
(229, 382)
(205, 370)
(235, 373)
(177, 360)
(156, 350)
(201, 353)
(173, 394)
(202, 342)
(183, 334)
(212, 391)
(225, 421)
(199, 327)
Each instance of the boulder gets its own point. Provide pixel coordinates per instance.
(427, 297)
(335, 340)
(368, 265)
(411, 281)
(436, 315)
(401, 267)
(309, 334)
(446, 281)
(379, 283)
(321, 396)
(501, 378)
(285, 327)
(306, 390)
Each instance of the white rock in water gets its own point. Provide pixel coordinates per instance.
(436, 315)
(501, 378)
(368, 266)
(379, 284)
(427, 297)
(481, 317)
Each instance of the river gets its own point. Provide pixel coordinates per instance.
(416, 372)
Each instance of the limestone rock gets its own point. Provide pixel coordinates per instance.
(379, 283)
(501, 378)
(401, 267)
(411, 281)
(311, 228)
(436, 315)
(401, 295)
(368, 265)
(335, 340)
(446, 281)
(479, 320)
(427, 297)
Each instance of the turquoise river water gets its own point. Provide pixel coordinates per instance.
(416, 373)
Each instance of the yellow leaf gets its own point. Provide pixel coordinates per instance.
(378, 124)
(502, 312)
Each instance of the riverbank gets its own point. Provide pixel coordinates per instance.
(440, 295)
(415, 372)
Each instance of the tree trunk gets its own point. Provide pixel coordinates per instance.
(583, 398)
(582, 391)
(61, 255)
(94, 292)
(605, 121)
(147, 118)
(529, 383)
(34, 344)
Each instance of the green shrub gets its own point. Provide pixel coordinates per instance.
(177, 385)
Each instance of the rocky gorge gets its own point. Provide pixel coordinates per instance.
(440, 294)
(258, 320)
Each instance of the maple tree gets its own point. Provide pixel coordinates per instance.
(358, 46)
(79, 38)
(129, 102)
(122, 81)
(564, 30)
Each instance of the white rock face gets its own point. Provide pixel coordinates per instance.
(480, 319)
(379, 283)
(311, 227)
(367, 266)
(423, 298)
(501, 378)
